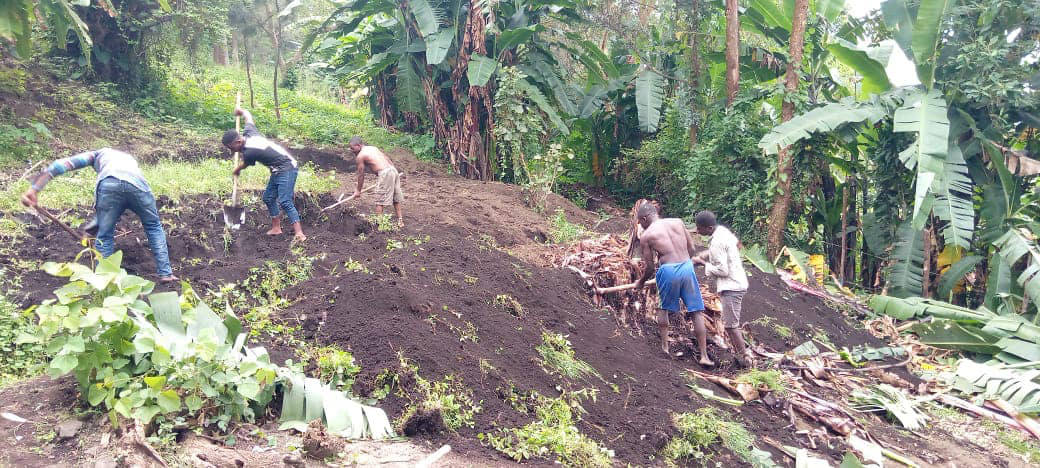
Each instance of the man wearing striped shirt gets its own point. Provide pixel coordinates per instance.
(120, 187)
(723, 262)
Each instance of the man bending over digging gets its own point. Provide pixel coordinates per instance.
(671, 242)
(388, 185)
(280, 187)
(722, 261)
(120, 187)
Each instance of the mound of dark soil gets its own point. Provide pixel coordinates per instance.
(444, 295)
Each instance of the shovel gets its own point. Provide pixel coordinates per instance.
(235, 214)
(342, 200)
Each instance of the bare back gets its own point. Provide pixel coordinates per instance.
(669, 238)
(373, 158)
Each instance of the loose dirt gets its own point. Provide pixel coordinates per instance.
(446, 294)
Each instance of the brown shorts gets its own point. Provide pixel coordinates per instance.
(731, 308)
(388, 187)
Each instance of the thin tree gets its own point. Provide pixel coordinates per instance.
(733, 51)
(782, 199)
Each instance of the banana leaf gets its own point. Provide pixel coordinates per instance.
(756, 254)
(917, 307)
(1019, 388)
(947, 334)
(866, 353)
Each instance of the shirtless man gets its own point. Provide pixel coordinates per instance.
(388, 187)
(671, 242)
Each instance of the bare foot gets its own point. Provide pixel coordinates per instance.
(274, 231)
(706, 362)
(299, 237)
(168, 279)
(400, 223)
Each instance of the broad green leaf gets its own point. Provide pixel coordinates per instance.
(511, 38)
(166, 307)
(480, 69)
(756, 254)
(96, 394)
(539, 99)
(947, 334)
(410, 95)
(875, 78)
(955, 274)
(926, 37)
(293, 399)
(924, 114)
(155, 382)
(953, 200)
(649, 99)
(830, 9)
(193, 403)
(110, 264)
(771, 12)
(828, 118)
(146, 413)
(425, 17)
(206, 319)
(63, 364)
(1016, 245)
(169, 401)
(249, 389)
(897, 18)
(74, 345)
(437, 45)
(314, 392)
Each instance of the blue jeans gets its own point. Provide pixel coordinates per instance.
(115, 196)
(279, 194)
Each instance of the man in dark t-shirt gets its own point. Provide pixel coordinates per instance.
(278, 196)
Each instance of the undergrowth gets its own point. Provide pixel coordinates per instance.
(553, 433)
(334, 365)
(703, 428)
(771, 379)
(558, 356)
(17, 360)
(562, 231)
(448, 396)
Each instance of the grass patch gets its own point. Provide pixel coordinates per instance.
(1016, 441)
(781, 330)
(705, 427)
(772, 379)
(205, 100)
(558, 356)
(554, 433)
(562, 231)
(17, 360)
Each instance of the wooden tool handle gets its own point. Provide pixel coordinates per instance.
(623, 287)
(238, 128)
(57, 221)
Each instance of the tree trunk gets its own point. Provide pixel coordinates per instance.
(220, 54)
(477, 118)
(695, 65)
(866, 270)
(733, 49)
(234, 49)
(926, 276)
(844, 228)
(645, 9)
(276, 39)
(249, 73)
(782, 200)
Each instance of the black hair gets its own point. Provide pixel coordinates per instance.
(229, 136)
(705, 219)
(357, 141)
(646, 209)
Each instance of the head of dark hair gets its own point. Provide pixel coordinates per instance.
(357, 141)
(229, 136)
(646, 209)
(705, 219)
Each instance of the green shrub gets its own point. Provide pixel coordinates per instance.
(697, 432)
(18, 358)
(558, 356)
(554, 432)
(335, 366)
(562, 231)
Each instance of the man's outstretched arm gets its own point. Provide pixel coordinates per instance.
(246, 115)
(361, 160)
(55, 169)
(648, 263)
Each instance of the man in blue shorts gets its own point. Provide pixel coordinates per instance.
(671, 242)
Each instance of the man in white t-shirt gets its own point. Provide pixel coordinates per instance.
(723, 262)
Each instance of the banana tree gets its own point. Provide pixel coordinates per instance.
(950, 159)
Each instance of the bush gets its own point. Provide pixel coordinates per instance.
(18, 359)
(553, 433)
(562, 231)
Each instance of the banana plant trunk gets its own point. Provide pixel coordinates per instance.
(478, 116)
(782, 199)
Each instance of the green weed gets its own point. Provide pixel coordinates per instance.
(18, 360)
(353, 266)
(335, 366)
(554, 432)
(771, 379)
(558, 356)
(384, 222)
(449, 396)
(562, 231)
(510, 305)
(780, 330)
(697, 432)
